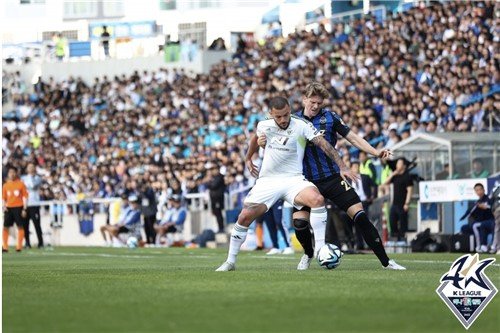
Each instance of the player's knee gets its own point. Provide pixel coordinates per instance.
(300, 224)
(317, 201)
(245, 218)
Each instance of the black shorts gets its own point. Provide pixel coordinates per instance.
(171, 229)
(13, 215)
(337, 190)
(123, 230)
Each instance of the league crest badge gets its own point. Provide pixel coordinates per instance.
(466, 289)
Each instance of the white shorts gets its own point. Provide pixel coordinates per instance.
(268, 190)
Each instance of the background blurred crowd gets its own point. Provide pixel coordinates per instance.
(164, 129)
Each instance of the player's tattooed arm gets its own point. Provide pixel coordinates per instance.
(332, 153)
(329, 150)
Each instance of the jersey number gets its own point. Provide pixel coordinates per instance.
(346, 185)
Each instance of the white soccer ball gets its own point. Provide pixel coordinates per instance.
(132, 242)
(329, 256)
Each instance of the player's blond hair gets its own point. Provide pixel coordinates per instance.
(316, 89)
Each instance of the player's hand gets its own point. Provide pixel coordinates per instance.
(482, 205)
(347, 173)
(252, 168)
(261, 141)
(24, 214)
(406, 207)
(384, 154)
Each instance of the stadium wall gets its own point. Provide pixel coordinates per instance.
(69, 234)
(88, 70)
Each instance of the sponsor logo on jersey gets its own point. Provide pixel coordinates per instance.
(281, 140)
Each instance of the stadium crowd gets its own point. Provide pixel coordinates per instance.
(408, 74)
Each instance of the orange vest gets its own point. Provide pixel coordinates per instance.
(13, 193)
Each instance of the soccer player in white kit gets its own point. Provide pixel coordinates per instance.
(281, 175)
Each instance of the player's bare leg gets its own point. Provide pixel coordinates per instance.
(249, 213)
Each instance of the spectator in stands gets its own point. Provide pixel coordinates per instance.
(173, 220)
(148, 208)
(403, 188)
(478, 170)
(129, 222)
(445, 174)
(61, 45)
(495, 208)
(365, 167)
(114, 127)
(240, 45)
(122, 212)
(365, 187)
(216, 188)
(105, 40)
(482, 221)
(33, 183)
(5, 82)
(218, 45)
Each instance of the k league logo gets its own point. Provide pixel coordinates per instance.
(466, 289)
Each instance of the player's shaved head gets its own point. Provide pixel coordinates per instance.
(280, 111)
(278, 103)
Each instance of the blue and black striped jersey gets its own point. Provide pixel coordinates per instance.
(316, 164)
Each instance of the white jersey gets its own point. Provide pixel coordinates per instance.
(285, 147)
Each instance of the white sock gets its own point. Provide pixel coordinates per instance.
(238, 236)
(318, 224)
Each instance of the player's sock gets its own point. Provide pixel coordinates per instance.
(259, 232)
(238, 236)
(318, 224)
(5, 237)
(20, 238)
(371, 236)
(304, 236)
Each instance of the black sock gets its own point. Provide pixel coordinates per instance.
(371, 236)
(304, 236)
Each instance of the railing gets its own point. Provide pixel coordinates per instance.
(379, 12)
(60, 207)
(494, 90)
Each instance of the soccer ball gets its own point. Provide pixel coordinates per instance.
(329, 256)
(132, 242)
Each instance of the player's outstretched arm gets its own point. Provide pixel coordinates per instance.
(330, 151)
(363, 145)
(252, 149)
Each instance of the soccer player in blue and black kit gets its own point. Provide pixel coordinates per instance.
(326, 175)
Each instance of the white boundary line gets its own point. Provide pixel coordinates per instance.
(105, 255)
(194, 255)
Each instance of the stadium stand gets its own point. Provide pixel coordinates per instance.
(430, 69)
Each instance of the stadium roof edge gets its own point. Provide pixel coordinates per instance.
(429, 142)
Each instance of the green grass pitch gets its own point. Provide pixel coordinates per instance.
(177, 290)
